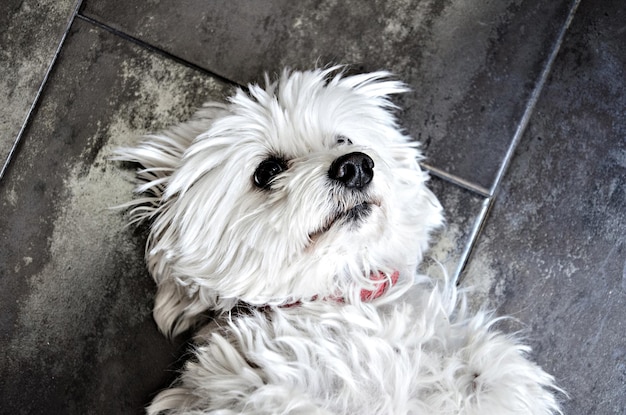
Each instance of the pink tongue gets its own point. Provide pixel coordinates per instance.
(369, 295)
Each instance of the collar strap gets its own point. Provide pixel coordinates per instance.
(382, 283)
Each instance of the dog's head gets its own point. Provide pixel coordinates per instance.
(303, 189)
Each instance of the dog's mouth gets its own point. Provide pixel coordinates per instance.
(352, 216)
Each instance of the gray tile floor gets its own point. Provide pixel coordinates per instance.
(521, 106)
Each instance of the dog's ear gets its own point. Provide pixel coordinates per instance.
(176, 310)
(379, 86)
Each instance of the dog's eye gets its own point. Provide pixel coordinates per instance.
(267, 170)
(343, 140)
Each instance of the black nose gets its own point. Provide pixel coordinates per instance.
(354, 170)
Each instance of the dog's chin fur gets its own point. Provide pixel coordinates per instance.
(300, 250)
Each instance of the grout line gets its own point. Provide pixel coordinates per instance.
(530, 107)
(467, 185)
(532, 102)
(473, 237)
(478, 223)
(158, 50)
(42, 85)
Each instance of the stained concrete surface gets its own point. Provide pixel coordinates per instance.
(76, 329)
(76, 335)
(30, 32)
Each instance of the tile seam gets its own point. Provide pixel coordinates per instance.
(155, 49)
(35, 103)
(473, 237)
(479, 221)
(532, 101)
(456, 180)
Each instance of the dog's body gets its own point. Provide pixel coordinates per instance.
(305, 202)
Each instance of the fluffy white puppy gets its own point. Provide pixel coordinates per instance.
(298, 213)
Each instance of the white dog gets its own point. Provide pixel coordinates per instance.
(298, 213)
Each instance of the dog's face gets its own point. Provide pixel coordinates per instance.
(299, 190)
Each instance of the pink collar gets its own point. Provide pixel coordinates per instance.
(382, 285)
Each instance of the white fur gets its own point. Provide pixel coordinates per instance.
(217, 240)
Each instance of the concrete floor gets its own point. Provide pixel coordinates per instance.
(521, 106)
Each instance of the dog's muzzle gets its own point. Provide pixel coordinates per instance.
(353, 170)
